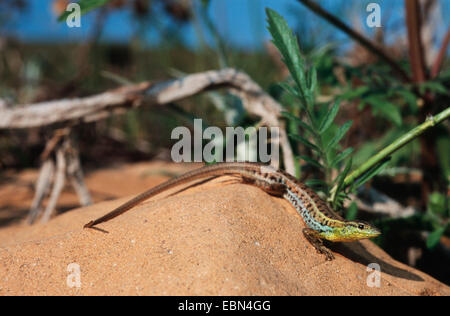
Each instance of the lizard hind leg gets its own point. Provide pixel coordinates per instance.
(316, 242)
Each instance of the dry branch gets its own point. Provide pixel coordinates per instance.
(441, 55)
(88, 108)
(363, 41)
(62, 153)
(373, 201)
(42, 187)
(416, 53)
(58, 186)
(72, 111)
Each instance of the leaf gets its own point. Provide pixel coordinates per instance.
(312, 84)
(329, 118)
(339, 181)
(311, 161)
(352, 211)
(339, 200)
(287, 44)
(305, 142)
(444, 74)
(409, 97)
(434, 237)
(85, 6)
(387, 109)
(312, 79)
(287, 87)
(341, 157)
(297, 120)
(340, 133)
(355, 93)
(315, 183)
(432, 86)
(442, 146)
(437, 203)
(372, 172)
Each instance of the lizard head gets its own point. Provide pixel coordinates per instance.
(354, 230)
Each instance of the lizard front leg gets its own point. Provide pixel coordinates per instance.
(312, 237)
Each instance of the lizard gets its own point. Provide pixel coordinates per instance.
(321, 221)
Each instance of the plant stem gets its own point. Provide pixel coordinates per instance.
(414, 25)
(363, 41)
(437, 64)
(430, 122)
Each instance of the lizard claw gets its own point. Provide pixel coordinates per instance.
(329, 256)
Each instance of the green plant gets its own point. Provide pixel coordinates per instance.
(319, 133)
(391, 82)
(438, 213)
(435, 221)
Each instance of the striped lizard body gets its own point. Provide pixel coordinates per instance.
(321, 221)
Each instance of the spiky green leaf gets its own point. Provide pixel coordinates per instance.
(383, 107)
(305, 142)
(311, 161)
(316, 183)
(298, 121)
(434, 237)
(341, 157)
(352, 211)
(339, 181)
(372, 172)
(287, 44)
(338, 136)
(329, 118)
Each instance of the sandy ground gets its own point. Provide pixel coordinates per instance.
(217, 238)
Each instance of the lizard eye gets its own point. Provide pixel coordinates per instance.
(361, 226)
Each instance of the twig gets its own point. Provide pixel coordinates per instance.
(42, 187)
(413, 22)
(364, 42)
(75, 174)
(53, 142)
(373, 201)
(397, 144)
(67, 166)
(60, 180)
(441, 56)
(161, 93)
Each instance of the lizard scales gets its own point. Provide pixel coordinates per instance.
(322, 222)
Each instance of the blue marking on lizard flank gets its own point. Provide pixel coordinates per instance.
(306, 215)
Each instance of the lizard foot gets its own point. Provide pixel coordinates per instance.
(311, 236)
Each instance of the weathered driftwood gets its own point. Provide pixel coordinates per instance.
(88, 108)
(67, 166)
(373, 201)
(68, 112)
(257, 103)
(42, 187)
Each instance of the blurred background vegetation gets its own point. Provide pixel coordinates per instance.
(129, 41)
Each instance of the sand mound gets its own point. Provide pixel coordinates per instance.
(212, 239)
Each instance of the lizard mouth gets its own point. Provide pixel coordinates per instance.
(375, 232)
(372, 232)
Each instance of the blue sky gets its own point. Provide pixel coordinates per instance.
(237, 21)
(240, 22)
